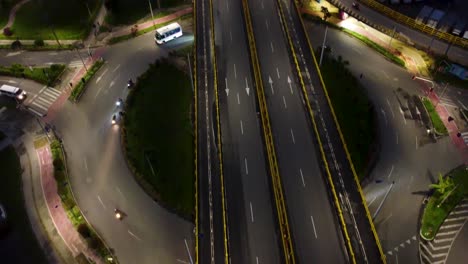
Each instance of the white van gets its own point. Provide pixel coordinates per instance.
(12, 91)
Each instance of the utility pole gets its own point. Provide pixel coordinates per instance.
(323, 45)
(82, 61)
(151, 11)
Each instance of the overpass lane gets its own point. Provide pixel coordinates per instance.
(364, 241)
(315, 229)
(252, 230)
(209, 213)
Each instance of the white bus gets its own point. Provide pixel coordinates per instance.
(168, 33)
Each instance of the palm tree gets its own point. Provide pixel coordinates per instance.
(444, 185)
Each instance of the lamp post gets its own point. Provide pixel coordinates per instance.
(323, 46)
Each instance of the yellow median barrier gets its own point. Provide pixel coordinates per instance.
(324, 159)
(356, 179)
(218, 126)
(286, 240)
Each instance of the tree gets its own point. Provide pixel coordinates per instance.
(444, 185)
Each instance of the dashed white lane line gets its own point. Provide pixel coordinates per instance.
(284, 102)
(390, 174)
(100, 201)
(403, 115)
(256, 259)
(266, 24)
(85, 164)
(292, 136)
(251, 213)
(391, 109)
(118, 66)
(272, 49)
(100, 76)
(188, 251)
(277, 72)
(238, 98)
(263, 6)
(397, 139)
(246, 166)
(227, 5)
(235, 71)
(416, 142)
(242, 127)
(119, 191)
(302, 177)
(313, 224)
(369, 204)
(133, 235)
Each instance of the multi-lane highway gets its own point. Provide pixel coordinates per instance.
(252, 226)
(313, 220)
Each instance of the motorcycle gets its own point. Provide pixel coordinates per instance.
(130, 84)
(119, 102)
(118, 214)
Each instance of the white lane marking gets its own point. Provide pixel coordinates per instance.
(251, 212)
(256, 259)
(99, 91)
(386, 219)
(182, 261)
(85, 164)
(118, 66)
(266, 23)
(277, 72)
(284, 102)
(397, 139)
(292, 136)
(227, 89)
(385, 116)
(272, 49)
(227, 5)
(290, 85)
(390, 174)
(100, 76)
(9, 54)
(386, 75)
(242, 128)
(118, 190)
(411, 181)
(247, 86)
(403, 115)
(246, 166)
(235, 71)
(313, 224)
(263, 7)
(188, 251)
(100, 200)
(133, 235)
(369, 204)
(391, 109)
(111, 84)
(12, 81)
(416, 142)
(238, 98)
(271, 84)
(230, 34)
(302, 177)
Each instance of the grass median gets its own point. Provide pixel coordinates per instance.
(67, 19)
(355, 112)
(442, 203)
(20, 237)
(158, 136)
(435, 118)
(43, 75)
(79, 89)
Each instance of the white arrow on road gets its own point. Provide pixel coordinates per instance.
(247, 89)
(100, 76)
(290, 85)
(111, 84)
(271, 84)
(385, 116)
(227, 89)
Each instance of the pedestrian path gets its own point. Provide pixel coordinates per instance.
(437, 250)
(40, 103)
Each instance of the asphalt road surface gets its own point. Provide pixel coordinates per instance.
(100, 177)
(253, 236)
(407, 156)
(212, 230)
(312, 218)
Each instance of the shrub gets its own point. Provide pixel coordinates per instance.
(16, 44)
(7, 31)
(84, 231)
(58, 165)
(39, 42)
(94, 243)
(59, 176)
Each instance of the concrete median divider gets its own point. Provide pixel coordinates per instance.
(356, 179)
(324, 159)
(283, 222)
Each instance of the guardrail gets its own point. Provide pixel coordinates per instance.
(195, 104)
(408, 21)
(311, 115)
(218, 126)
(286, 240)
(348, 156)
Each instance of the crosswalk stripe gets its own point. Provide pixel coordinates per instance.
(40, 106)
(48, 96)
(442, 240)
(446, 233)
(451, 226)
(433, 255)
(35, 112)
(43, 101)
(438, 248)
(53, 91)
